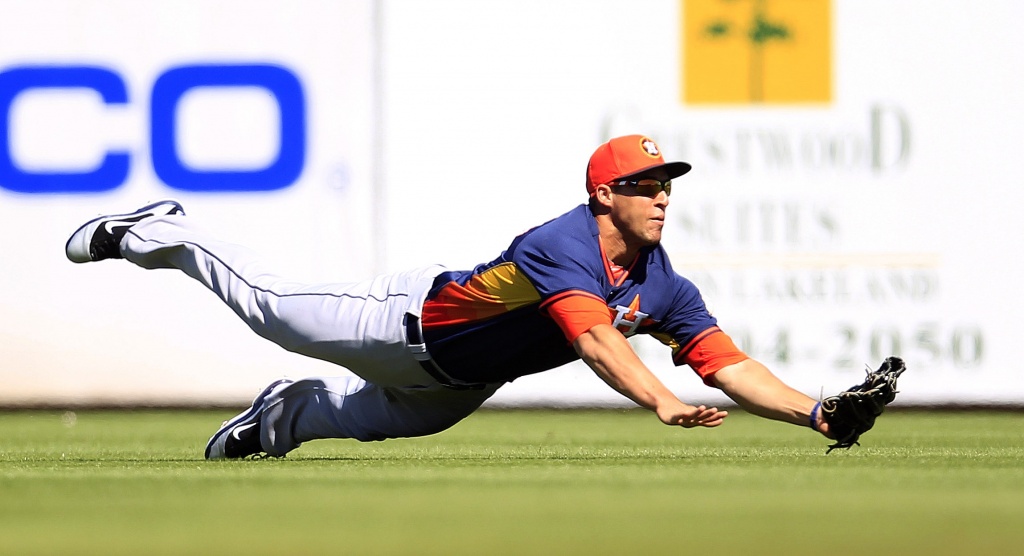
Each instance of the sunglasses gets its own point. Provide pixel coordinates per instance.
(648, 188)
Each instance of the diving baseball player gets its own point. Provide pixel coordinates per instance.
(430, 345)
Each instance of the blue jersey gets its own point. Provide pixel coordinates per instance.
(491, 324)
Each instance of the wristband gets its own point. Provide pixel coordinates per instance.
(814, 416)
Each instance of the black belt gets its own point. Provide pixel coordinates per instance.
(418, 346)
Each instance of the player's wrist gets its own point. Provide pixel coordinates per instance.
(817, 421)
(815, 418)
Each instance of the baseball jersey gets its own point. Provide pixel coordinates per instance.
(497, 322)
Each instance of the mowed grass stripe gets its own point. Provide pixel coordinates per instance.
(514, 482)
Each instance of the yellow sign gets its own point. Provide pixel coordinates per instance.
(756, 51)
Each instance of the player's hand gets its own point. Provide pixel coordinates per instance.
(822, 425)
(688, 416)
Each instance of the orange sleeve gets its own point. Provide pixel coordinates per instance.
(711, 351)
(576, 312)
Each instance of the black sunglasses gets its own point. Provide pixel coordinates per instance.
(648, 187)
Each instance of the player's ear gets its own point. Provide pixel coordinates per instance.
(603, 195)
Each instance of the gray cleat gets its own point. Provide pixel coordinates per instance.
(239, 437)
(100, 238)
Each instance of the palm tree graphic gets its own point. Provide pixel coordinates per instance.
(760, 33)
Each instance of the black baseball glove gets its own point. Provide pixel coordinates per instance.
(852, 413)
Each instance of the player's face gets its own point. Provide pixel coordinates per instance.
(638, 210)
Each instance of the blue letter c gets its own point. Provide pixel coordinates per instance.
(112, 171)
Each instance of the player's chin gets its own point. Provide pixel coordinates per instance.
(653, 237)
(654, 231)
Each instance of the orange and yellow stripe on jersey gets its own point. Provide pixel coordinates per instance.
(493, 292)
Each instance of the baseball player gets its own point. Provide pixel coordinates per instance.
(428, 346)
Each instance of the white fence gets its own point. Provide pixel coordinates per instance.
(855, 190)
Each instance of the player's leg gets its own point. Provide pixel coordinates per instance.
(287, 413)
(349, 407)
(356, 325)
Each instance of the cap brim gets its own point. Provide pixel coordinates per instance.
(673, 169)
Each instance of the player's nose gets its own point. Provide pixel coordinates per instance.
(661, 199)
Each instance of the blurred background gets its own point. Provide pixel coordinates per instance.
(855, 189)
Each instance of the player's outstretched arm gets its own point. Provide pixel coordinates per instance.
(757, 390)
(609, 354)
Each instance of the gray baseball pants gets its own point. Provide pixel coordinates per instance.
(359, 326)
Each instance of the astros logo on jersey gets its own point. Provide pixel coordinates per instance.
(628, 319)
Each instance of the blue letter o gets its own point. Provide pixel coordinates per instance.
(281, 83)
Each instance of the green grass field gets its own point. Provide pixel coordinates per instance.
(515, 482)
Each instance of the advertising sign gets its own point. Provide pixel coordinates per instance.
(256, 116)
(853, 192)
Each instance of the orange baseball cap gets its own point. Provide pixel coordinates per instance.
(627, 157)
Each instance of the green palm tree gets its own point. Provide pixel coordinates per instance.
(760, 33)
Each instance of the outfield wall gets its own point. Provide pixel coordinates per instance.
(853, 193)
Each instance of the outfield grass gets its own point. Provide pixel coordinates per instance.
(515, 482)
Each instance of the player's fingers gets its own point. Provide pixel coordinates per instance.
(706, 414)
(713, 422)
(713, 417)
(694, 417)
(700, 418)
